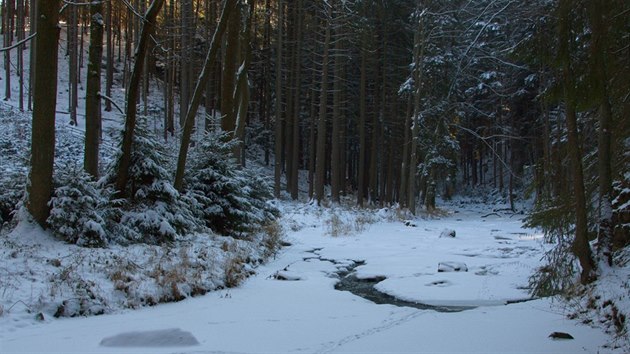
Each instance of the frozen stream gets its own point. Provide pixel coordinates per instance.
(291, 304)
(348, 281)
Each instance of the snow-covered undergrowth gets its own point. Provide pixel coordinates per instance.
(158, 246)
(606, 303)
(42, 277)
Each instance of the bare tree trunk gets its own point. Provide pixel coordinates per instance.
(110, 56)
(295, 143)
(404, 169)
(311, 139)
(335, 163)
(189, 122)
(242, 87)
(73, 64)
(132, 97)
(362, 123)
(598, 18)
(278, 123)
(185, 73)
(20, 55)
(228, 81)
(418, 58)
(320, 165)
(581, 246)
(40, 186)
(33, 52)
(7, 14)
(92, 97)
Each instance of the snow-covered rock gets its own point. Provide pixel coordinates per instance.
(155, 339)
(447, 233)
(452, 267)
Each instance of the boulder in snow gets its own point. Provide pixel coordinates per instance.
(560, 335)
(448, 233)
(452, 267)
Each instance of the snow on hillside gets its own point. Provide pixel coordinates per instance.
(291, 304)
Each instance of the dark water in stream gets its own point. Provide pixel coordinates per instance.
(365, 288)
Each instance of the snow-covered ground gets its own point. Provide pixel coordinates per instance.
(305, 314)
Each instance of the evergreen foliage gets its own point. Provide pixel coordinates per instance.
(79, 209)
(13, 160)
(230, 200)
(154, 212)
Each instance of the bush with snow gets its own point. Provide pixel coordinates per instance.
(229, 199)
(154, 211)
(14, 144)
(79, 209)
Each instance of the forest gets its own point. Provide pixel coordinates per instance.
(200, 116)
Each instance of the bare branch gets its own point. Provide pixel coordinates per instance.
(5, 49)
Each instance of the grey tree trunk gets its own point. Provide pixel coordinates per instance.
(418, 55)
(73, 52)
(122, 176)
(362, 122)
(40, 186)
(581, 246)
(92, 96)
(189, 122)
(320, 164)
(7, 15)
(278, 123)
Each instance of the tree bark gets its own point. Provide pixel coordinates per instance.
(40, 186)
(278, 123)
(189, 122)
(7, 14)
(335, 158)
(109, 81)
(581, 246)
(132, 97)
(228, 82)
(92, 97)
(418, 59)
(362, 123)
(598, 11)
(320, 164)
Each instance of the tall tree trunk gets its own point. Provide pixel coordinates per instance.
(362, 123)
(581, 246)
(320, 162)
(109, 81)
(228, 81)
(73, 52)
(31, 79)
(418, 59)
(242, 93)
(185, 74)
(278, 123)
(7, 14)
(295, 143)
(92, 97)
(404, 168)
(335, 158)
(132, 96)
(598, 11)
(189, 122)
(20, 55)
(40, 186)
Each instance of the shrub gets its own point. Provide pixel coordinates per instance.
(154, 211)
(230, 200)
(78, 209)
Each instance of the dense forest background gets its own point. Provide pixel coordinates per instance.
(389, 102)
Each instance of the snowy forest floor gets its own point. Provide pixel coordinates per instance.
(291, 304)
